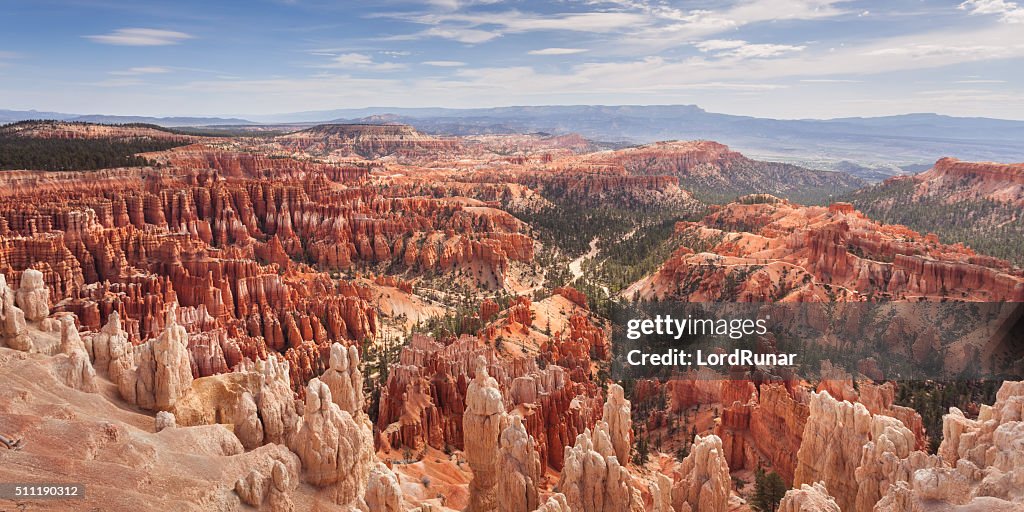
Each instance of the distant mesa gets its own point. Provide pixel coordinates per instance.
(367, 140)
(715, 173)
(51, 129)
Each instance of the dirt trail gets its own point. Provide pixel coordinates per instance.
(576, 265)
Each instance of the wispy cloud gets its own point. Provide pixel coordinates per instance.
(1009, 12)
(445, 63)
(557, 51)
(119, 82)
(670, 27)
(361, 61)
(481, 27)
(140, 37)
(947, 50)
(141, 70)
(737, 49)
(830, 81)
(453, 5)
(462, 35)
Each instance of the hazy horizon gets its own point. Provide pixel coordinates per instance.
(267, 118)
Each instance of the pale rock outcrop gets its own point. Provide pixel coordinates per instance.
(983, 462)
(162, 370)
(482, 424)
(833, 439)
(617, 414)
(592, 478)
(336, 449)
(256, 401)
(33, 296)
(520, 469)
(274, 401)
(13, 329)
(165, 420)
(226, 399)
(556, 503)
(808, 498)
(886, 459)
(383, 492)
(110, 345)
(70, 338)
(661, 493)
(702, 481)
(344, 378)
(857, 456)
(72, 365)
(273, 488)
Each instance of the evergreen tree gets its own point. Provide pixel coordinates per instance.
(768, 491)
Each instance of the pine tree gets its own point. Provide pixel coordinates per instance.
(768, 491)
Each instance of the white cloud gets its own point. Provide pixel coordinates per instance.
(556, 51)
(719, 44)
(946, 50)
(141, 70)
(445, 63)
(359, 61)
(651, 25)
(764, 10)
(458, 4)
(830, 81)
(462, 35)
(140, 37)
(670, 27)
(353, 59)
(737, 49)
(475, 28)
(1009, 12)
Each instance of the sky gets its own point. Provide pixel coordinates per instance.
(766, 58)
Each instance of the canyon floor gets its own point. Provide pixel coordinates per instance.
(366, 317)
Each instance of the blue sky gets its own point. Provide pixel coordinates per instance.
(768, 58)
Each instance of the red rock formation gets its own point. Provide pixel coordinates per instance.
(237, 164)
(575, 296)
(488, 308)
(778, 251)
(1001, 182)
(424, 398)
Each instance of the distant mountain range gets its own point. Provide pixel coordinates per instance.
(881, 146)
(11, 116)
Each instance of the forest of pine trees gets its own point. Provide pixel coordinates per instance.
(989, 227)
(54, 154)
